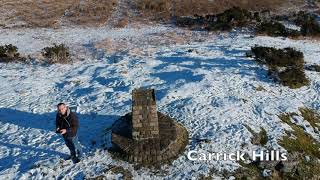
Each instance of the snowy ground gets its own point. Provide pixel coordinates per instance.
(205, 82)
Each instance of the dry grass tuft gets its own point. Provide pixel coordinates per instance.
(123, 22)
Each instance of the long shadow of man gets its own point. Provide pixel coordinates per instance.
(30, 125)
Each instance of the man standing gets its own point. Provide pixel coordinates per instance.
(67, 125)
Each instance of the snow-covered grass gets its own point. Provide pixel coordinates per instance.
(206, 83)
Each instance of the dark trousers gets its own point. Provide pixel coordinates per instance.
(74, 146)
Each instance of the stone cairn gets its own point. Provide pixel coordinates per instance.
(146, 136)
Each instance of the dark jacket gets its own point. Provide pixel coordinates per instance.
(69, 121)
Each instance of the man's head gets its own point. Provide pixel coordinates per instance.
(62, 108)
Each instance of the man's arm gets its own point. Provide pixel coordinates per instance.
(72, 131)
(57, 123)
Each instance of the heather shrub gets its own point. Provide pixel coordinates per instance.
(284, 65)
(9, 53)
(278, 57)
(233, 17)
(309, 24)
(56, 54)
(275, 29)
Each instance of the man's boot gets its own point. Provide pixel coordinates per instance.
(75, 160)
(79, 154)
(68, 157)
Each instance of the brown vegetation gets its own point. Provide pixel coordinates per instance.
(46, 13)
(170, 8)
(123, 22)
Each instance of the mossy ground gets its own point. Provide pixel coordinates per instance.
(299, 145)
(298, 141)
(260, 138)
